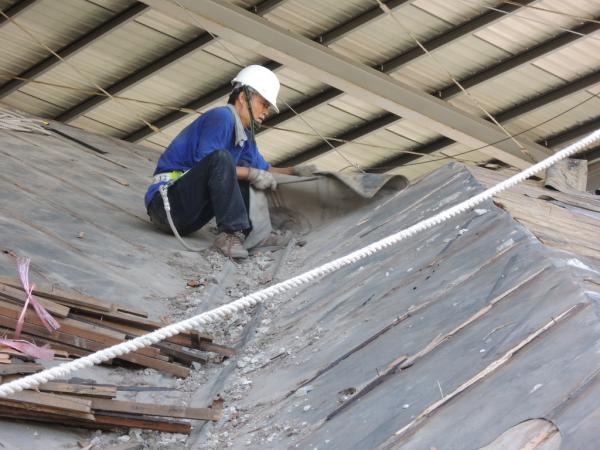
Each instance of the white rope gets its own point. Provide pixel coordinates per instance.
(253, 299)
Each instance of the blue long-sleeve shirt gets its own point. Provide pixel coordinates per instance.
(214, 130)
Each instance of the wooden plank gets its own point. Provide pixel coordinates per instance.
(151, 351)
(90, 390)
(85, 347)
(122, 318)
(32, 337)
(7, 351)
(166, 347)
(13, 368)
(134, 357)
(48, 403)
(48, 416)
(58, 402)
(151, 409)
(216, 348)
(76, 299)
(92, 346)
(76, 328)
(168, 367)
(89, 345)
(122, 420)
(202, 342)
(61, 296)
(17, 296)
(180, 354)
(67, 325)
(129, 310)
(121, 327)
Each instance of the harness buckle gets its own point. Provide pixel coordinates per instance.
(167, 177)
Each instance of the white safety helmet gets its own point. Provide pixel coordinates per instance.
(262, 80)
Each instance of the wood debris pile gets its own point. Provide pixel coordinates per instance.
(94, 406)
(88, 324)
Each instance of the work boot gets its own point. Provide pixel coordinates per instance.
(231, 244)
(276, 240)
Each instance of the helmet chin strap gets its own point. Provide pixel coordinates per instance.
(254, 125)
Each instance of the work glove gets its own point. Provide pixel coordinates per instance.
(307, 170)
(261, 179)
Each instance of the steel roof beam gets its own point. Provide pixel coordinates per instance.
(342, 30)
(552, 95)
(501, 68)
(301, 54)
(525, 57)
(405, 158)
(16, 9)
(552, 141)
(590, 154)
(395, 63)
(575, 132)
(351, 135)
(153, 68)
(74, 47)
(520, 109)
(415, 52)
(447, 37)
(326, 38)
(266, 6)
(137, 77)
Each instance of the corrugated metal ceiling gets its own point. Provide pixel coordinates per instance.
(150, 35)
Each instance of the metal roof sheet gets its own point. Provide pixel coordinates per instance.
(152, 35)
(507, 90)
(380, 40)
(312, 17)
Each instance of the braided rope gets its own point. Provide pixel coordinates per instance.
(253, 299)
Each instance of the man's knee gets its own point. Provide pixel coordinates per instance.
(221, 158)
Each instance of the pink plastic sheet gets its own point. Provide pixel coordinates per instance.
(47, 320)
(29, 349)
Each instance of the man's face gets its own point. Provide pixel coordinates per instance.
(260, 109)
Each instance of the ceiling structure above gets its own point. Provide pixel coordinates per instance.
(365, 89)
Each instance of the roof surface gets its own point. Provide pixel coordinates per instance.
(459, 333)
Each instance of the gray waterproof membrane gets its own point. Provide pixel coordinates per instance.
(454, 301)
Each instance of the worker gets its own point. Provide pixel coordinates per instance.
(209, 166)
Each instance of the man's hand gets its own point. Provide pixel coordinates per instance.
(307, 170)
(261, 179)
